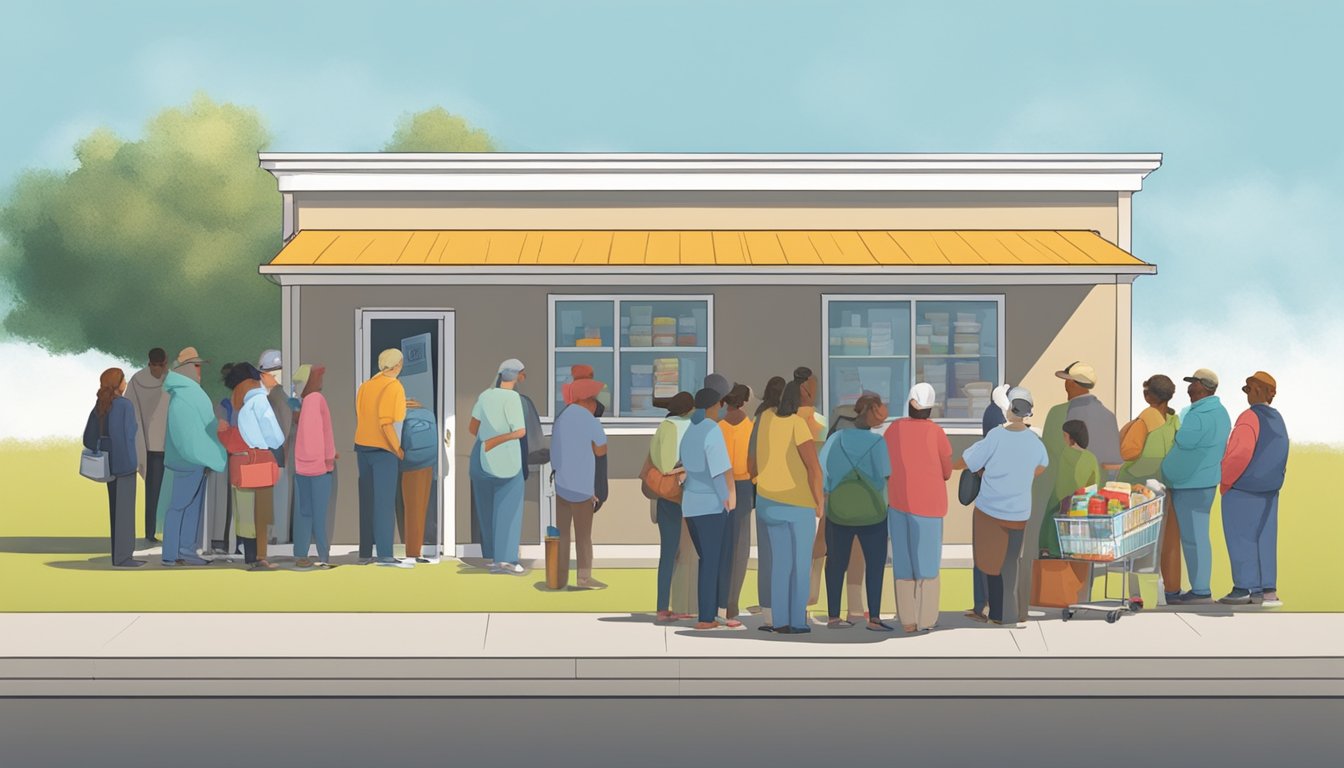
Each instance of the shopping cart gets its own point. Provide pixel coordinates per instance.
(1114, 542)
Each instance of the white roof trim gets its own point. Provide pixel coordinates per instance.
(528, 172)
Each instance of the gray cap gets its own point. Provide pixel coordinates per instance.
(270, 361)
(719, 383)
(1020, 402)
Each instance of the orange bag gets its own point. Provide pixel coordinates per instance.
(661, 485)
(1060, 583)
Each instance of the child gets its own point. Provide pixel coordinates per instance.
(1078, 468)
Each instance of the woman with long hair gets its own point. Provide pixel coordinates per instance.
(790, 502)
(111, 428)
(314, 462)
(774, 388)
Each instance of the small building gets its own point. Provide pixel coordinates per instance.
(874, 270)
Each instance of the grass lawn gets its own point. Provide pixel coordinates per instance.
(53, 557)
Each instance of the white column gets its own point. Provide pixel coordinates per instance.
(1124, 213)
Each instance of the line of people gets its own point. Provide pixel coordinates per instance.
(245, 454)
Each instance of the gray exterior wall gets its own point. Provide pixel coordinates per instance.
(759, 331)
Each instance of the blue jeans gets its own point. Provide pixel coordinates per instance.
(1251, 527)
(377, 501)
(669, 541)
(484, 522)
(501, 499)
(709, 534)
(310, 519)
(182, 519)
(737, 549)
(916, 546)
(839, 547)
(764, 562)
(1193, 508)
(791, 530)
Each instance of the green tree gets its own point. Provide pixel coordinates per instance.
(437, 130)
(150, 243)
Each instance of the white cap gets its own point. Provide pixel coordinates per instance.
(512, 364)
(923, 396)
(1021, 402)
(1000, 397)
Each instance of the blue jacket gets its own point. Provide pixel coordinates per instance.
(257, 424)
(117, 437)
(1196, 458)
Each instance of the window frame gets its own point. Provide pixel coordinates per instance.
(615, 350)
(914, 299)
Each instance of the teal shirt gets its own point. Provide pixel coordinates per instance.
(1196, 456)
(500, 411)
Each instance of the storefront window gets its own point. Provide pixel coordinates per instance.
(869, 349)
(885, 344)
(642, 347)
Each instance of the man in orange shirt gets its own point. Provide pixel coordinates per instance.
(380, 407)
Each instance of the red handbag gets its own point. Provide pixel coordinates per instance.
(248, 467)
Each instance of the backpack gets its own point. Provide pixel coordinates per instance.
(855, 500)
(419, 439)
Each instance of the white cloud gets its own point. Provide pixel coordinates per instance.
(1304, 353)
(45, 395)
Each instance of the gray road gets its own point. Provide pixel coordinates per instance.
(641, 732)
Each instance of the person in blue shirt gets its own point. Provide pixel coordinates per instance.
(1193, 470)
(863, 451)
(111, 428)
(706, 498)
(1012, 456)
(577, 440)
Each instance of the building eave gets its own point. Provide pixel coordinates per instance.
(575, 172)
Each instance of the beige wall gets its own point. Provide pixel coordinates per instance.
(759, 332)
(889, 210)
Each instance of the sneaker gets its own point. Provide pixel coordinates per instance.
(1194, 598)
(1270, 599)
(323, 566)
(511, 568)
(424, 560)
(1171, 598)
(303, 564)
(132, 563)
(392, 562)
(590, 584)
(1237, 597)
(365, 561)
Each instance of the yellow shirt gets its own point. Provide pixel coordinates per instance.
(782, 476)
(380, 401)
(738, 438)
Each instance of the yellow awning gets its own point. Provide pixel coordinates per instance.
(735, 248)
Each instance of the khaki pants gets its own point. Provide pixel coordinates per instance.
(580, 515)
(415, 502)
(917, 602)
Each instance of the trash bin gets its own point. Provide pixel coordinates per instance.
(553, 562)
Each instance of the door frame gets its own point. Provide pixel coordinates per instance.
(446, 501)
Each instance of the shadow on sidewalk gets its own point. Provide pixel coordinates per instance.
(53, 545)
(820, 635)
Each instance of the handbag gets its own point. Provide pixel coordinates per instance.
(96, 465)
(657, 484)
(968, 487)
(253, 468)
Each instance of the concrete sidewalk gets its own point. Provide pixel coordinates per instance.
(1153, 654)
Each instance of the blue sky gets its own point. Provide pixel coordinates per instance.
(1241, 97)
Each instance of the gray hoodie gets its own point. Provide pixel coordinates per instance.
(151, 413)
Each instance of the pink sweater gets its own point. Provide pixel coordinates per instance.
(314, 444)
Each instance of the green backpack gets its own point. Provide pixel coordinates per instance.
(855, 500)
